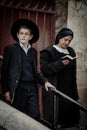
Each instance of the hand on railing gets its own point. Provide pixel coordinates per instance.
(1, 57)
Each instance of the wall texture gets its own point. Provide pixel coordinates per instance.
(77, 20)
(61, 14)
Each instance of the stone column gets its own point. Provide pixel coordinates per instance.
(77, 21)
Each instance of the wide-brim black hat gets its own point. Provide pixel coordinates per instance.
(28, 23)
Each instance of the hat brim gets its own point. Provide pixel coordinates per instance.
(28, 23)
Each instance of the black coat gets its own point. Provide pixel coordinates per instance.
(11, 68)
(63, 77)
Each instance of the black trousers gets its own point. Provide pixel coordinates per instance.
(26, 99)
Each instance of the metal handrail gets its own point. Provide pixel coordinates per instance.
(78, 104)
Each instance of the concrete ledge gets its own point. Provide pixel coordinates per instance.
(12, 119)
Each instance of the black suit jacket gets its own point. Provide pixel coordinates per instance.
(11, 68)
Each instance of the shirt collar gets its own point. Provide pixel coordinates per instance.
(25, 49)
(29, 46)
(65, 51)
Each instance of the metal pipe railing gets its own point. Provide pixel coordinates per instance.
(78, 104)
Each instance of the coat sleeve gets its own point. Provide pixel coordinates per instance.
(38, 77)
(41, 79)
(48, 65)
(4, 70)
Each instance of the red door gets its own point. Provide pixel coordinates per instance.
(40, 11)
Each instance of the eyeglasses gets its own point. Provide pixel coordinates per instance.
(26, 34)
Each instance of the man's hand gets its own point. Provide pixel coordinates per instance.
(48, 86)
(7, 96)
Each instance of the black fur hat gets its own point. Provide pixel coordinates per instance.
(62, 33)
(28, 23)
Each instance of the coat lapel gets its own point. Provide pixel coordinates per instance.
(18, 53)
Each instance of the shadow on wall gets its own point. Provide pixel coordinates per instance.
(2, 128)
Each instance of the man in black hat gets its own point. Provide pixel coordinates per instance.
(19, 69)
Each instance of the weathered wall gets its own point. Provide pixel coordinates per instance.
(61, 14)
(77, 20)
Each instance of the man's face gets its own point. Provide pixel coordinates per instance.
(24, 35)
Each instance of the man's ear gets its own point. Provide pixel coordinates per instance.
(31, 37)
(17, 35)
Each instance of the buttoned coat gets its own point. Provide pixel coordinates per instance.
(11, 68)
